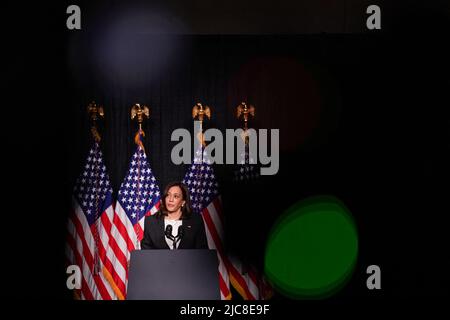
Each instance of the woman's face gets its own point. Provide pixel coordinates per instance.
(174, 199)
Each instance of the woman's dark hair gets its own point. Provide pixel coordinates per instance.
(186, 210)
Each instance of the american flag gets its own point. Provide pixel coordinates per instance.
(88, 228)
(246, 279)
(206, 200)
(139, 196)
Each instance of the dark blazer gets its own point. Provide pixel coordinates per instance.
(194, 236)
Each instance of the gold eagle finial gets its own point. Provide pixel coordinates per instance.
(95, 113)
(201, 111)
(140, 112)
(245, 111)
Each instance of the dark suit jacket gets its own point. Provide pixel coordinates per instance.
(194, 236)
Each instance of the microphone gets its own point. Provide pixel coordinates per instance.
(168, 232)
(178, 237)
(180, 232)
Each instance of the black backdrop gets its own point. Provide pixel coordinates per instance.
(363, 117)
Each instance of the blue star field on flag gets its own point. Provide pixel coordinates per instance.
(247, 169)
(201, 182)
(139, 191)
(93, 189)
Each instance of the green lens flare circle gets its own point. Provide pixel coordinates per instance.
(312, 249)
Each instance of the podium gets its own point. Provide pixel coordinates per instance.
(190, 274)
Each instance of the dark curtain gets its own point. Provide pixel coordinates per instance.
(279, 75)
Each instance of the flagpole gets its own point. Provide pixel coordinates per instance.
(199, 112)
(139, 113)
(245, 111)
(95, 113)
(203, 175)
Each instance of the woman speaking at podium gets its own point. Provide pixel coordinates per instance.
(174, 226)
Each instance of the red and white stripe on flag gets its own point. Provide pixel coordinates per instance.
(248, 282)
(125, 237)
(80, 251)
(212, 217)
